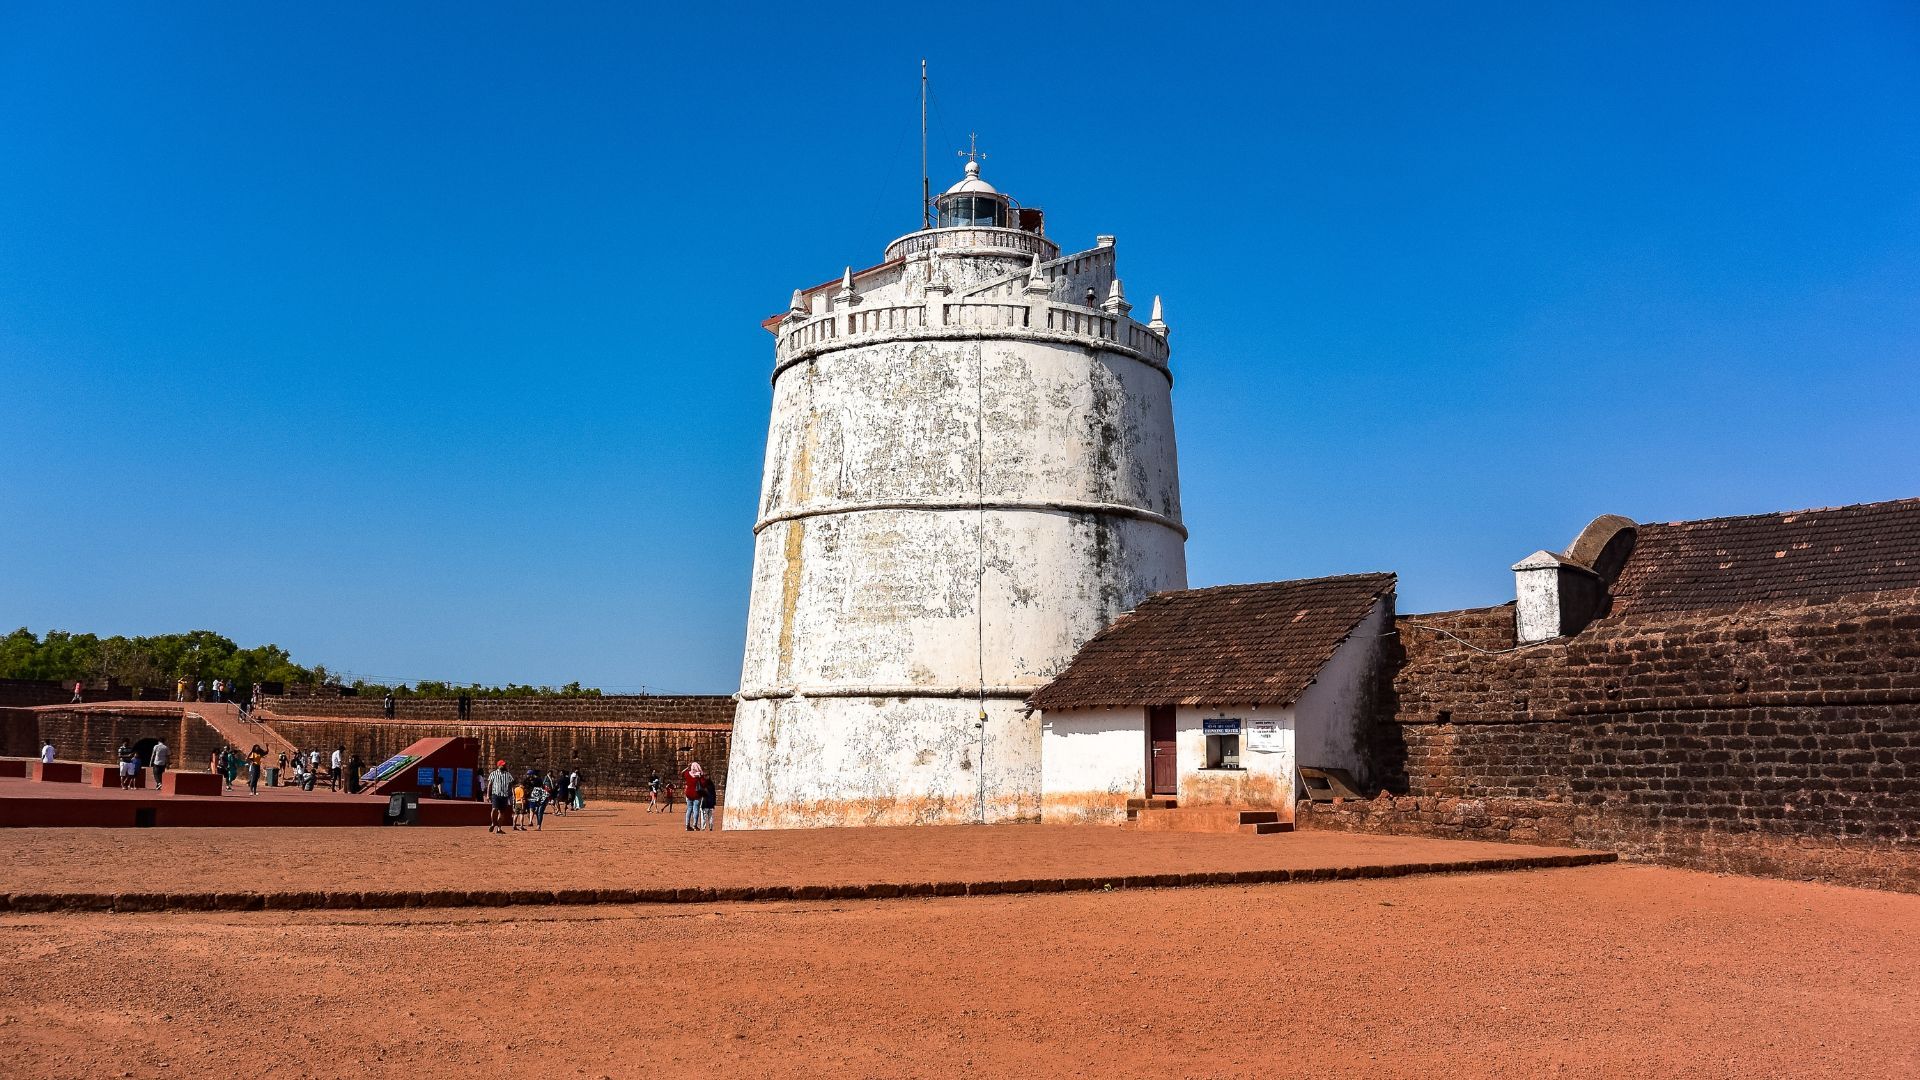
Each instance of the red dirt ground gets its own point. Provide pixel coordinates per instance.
(1599, 971)
(617, 845)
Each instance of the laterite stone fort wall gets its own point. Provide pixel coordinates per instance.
(94, 735)
(615, 759)
(630, 708)
(618, 742)
(26, 693)
(1780, 739)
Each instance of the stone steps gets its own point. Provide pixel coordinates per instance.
(1166, 815)
(241, 733)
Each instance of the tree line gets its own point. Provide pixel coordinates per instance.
(202, 655)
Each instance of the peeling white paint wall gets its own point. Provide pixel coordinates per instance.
(1091, 762)
(1336, 710)
(958, 493)
(1265, 779)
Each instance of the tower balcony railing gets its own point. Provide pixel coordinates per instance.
(973, 238)
(939, 317)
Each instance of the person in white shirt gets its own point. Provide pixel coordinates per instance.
(339, 759)
(46, 754)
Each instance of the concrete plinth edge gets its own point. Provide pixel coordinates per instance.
(309, 900)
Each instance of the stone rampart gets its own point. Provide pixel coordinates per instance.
(1781, 739)
(615, 758)
(26, 693)
(696, 709)
(94, 734)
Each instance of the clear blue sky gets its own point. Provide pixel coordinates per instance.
(423, 339)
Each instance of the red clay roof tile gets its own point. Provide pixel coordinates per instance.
(1236, 644)
(1761, 558)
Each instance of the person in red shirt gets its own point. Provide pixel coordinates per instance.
(691, 777)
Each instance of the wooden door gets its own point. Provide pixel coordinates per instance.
(1163, 766)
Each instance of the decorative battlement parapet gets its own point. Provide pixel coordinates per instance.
(943, 318)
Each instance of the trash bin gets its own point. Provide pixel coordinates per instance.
(273, 776)
(404, 808)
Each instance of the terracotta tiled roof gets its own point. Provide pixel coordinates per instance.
(1239, 644)
(1802, 555)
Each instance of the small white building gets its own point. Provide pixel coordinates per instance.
(1215, 698)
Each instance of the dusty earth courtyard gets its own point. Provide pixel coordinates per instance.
(1600, 970)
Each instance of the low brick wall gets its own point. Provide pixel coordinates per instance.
(615, 759)
(19, 733)
(26, 693)
(1519, 821)
(628, 708)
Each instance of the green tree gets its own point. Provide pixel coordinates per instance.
(202, 654)
(144, 661)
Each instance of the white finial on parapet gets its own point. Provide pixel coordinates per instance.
(846, 294)
(1116, 301)
(1158, 324)
(798, 308)
(1039, 284)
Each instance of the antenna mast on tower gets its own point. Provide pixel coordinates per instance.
(926, 191)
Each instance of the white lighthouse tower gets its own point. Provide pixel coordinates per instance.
(970, 471)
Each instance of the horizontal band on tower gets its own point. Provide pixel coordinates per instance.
(785, 357)
(782, 693)
(1059, 506)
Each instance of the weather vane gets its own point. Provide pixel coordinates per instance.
(972, 152)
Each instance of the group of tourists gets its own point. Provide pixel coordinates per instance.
(186, 688)
(301, 768)
(343, 769)
(521, 804)
(129, 758)
(229, 761)
(699, 790)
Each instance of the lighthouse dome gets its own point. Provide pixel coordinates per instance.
(972, 201)
(972, 185)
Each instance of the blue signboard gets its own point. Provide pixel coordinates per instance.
(1220, 727)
